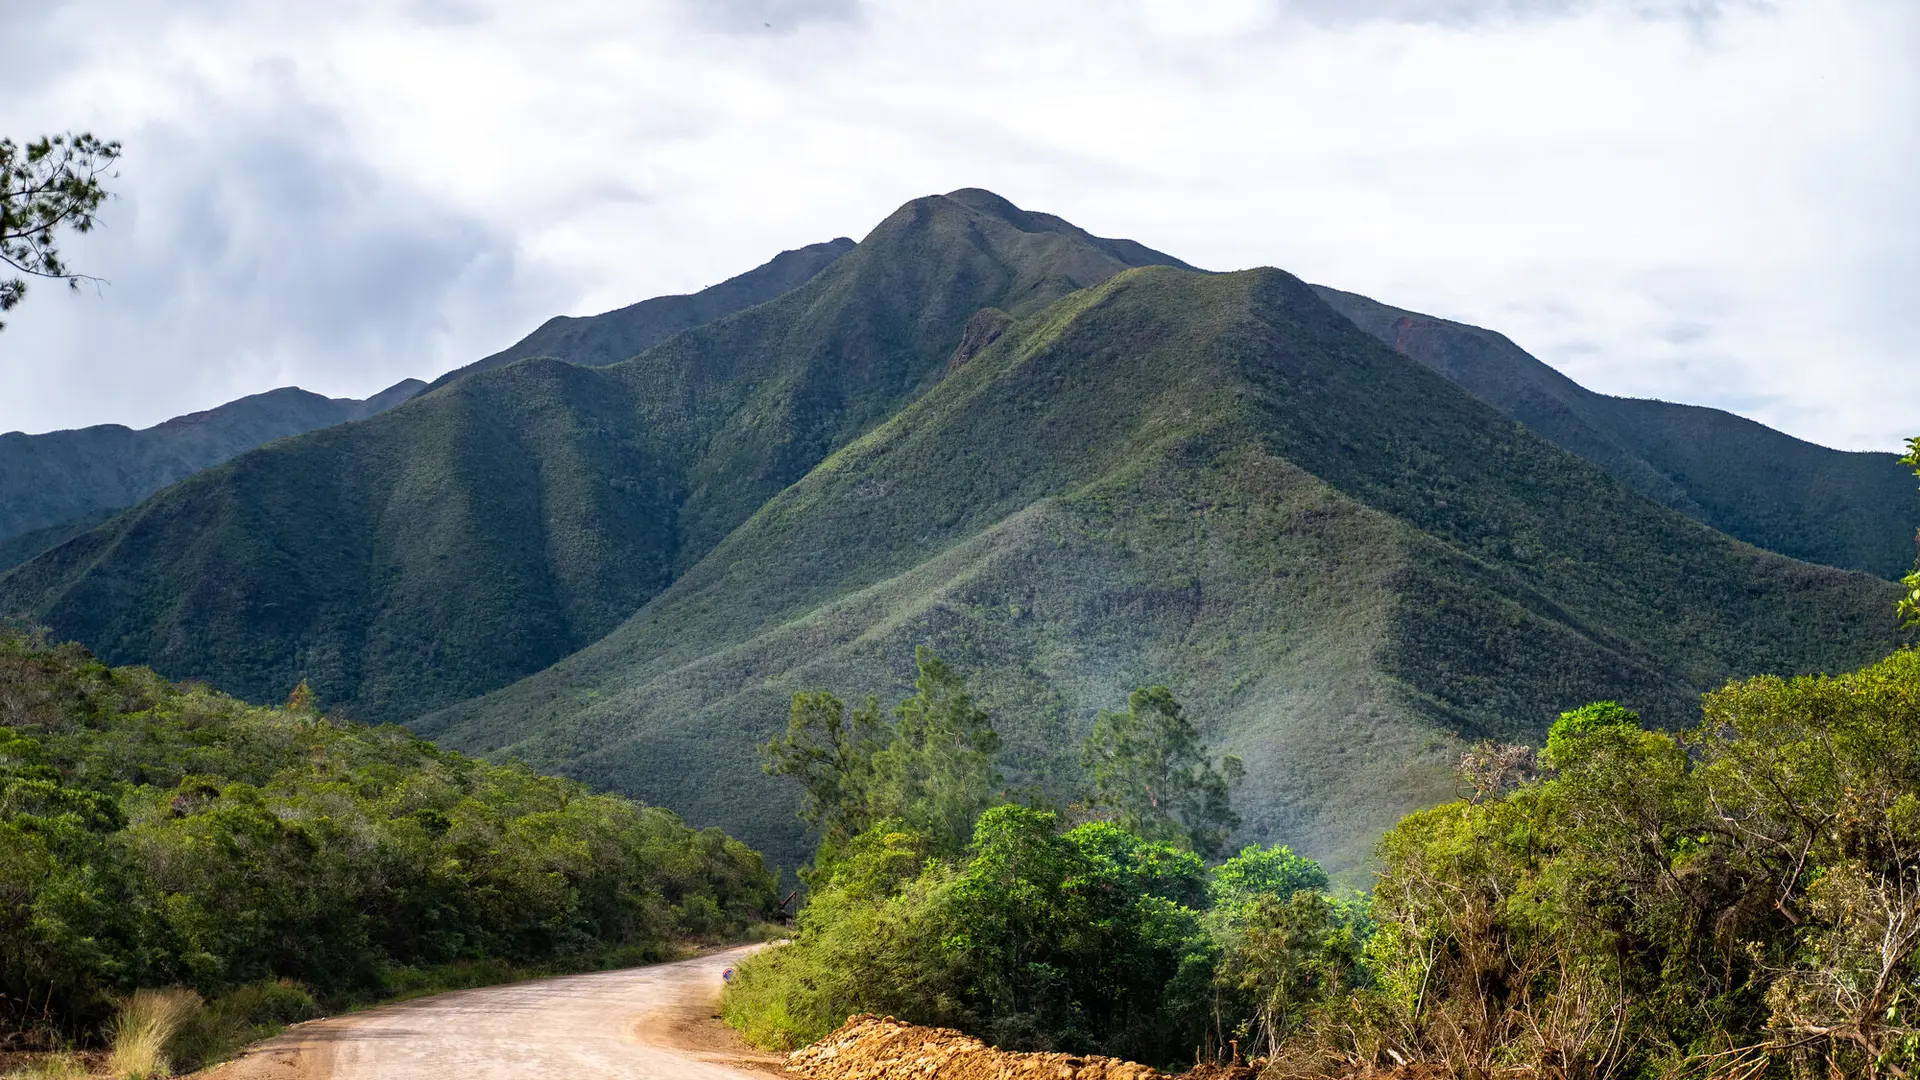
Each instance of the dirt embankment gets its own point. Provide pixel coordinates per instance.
(882, 1048)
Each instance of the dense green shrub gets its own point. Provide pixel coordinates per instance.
(1109, 936)
(1091, 939)
(157, 835)
(1740, 899)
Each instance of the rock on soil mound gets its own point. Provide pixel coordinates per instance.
(882, 1048)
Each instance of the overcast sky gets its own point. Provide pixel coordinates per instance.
(1710, 201)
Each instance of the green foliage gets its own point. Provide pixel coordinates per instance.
(1257, 871)
(1092, 939)
(155, 835)
(868, 939)
(1574, 736)
(1735, 900)
(1148, 769)
(936, 773)
(1910, 604)
(1282, 957)
(831, 755)
(49, 184)
(930, 770)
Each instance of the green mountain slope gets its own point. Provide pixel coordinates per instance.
(1341, 560)
(48, 481)
(1857, 511)
(612, 336)
(56, 486)
(494, 525)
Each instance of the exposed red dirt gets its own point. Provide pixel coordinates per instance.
(882, 1048)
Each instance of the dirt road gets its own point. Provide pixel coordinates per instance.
(650, 1023)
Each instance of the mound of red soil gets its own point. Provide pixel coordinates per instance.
(882, 1048)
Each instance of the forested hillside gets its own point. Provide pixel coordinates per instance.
(1339, 559)
(155, 835)
(501, 522)
(1857, 511)
(60, 483)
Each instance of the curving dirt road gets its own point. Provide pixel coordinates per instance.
(650, 1023)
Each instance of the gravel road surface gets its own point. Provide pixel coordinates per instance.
(650, 1023)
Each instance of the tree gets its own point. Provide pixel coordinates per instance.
(1149, 771)
(832, 757)
(1910, 605)
(937, 772)
(49, 184)
(930, 768)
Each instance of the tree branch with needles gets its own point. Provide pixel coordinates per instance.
(50, 184)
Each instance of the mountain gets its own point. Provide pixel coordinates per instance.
(598, 340)
(492, 526)
(1858, 511)
(1074, 465)
(56, 485)
(1343, 562)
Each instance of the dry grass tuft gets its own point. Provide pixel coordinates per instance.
(50, 1067)
(147, 1022)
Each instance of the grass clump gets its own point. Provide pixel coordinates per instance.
(144, 1028)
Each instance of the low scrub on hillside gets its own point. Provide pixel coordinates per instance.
(154, 835)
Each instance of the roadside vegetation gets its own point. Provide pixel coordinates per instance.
(1740, 899)
(940, 897)
(181, 872)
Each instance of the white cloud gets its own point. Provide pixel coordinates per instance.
(1677, 198)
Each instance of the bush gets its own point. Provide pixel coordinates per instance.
(152, 834)
(245, 1015)
(1738, 899)
(1089, 939)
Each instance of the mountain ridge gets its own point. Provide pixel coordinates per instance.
(1237, 498)
(613, 336)
(50, 480)
(427, 555)
(1074, 465)
(1854, 510)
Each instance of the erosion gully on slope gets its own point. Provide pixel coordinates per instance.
(651, 1023)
